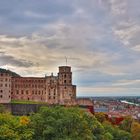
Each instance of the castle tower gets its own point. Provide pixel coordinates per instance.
(67, 91)
(65, 75)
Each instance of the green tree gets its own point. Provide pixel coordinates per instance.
(126, 124)
(107, 136)
(60, 123)
(101, 117)
(117, 133)
(2, 108)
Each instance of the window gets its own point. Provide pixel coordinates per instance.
(1, 91)
(65, 81)
(0, 96)
(17, 92)
(39, 92)
(26, 91)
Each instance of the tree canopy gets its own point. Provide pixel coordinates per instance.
(63, 123)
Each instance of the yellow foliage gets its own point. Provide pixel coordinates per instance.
(24, 120)
(135, 130)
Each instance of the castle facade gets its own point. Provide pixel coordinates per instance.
(50, 89)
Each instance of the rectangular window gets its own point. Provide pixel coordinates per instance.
(17, 92)
(26, 91)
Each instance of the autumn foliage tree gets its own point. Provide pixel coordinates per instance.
(63, 123)
(135, 130)
(11, 128)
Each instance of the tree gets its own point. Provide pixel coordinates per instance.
(117, 133)
(135, 130)
(107, 136)
(101, 117)
(61, 123)
(14, 128)
(2, 108)
(126, 124)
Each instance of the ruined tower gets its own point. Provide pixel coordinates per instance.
(67, 91)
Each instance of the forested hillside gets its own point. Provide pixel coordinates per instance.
(65, 123)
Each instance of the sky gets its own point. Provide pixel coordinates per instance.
(101, 39)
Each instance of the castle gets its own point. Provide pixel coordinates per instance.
(50, 89)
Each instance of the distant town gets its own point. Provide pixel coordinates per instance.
(118, 106)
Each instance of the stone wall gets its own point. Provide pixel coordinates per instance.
(22, 109)
(28, 109)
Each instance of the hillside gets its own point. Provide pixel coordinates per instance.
(13, 74)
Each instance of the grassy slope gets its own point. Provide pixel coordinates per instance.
(26, 102)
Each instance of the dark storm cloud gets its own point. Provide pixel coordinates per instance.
(10, 60)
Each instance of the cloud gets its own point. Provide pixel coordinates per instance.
(100, 39)
(53, 48)
(127, 82)
(109, 91)
(126, 26)
(10, 60)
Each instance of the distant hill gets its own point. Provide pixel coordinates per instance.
(13, 74)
